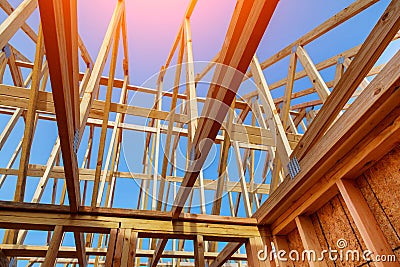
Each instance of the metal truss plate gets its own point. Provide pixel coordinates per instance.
(294, 167)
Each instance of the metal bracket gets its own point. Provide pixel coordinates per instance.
(76, 141)
(7, 50)
(340, 60)
(294, 167)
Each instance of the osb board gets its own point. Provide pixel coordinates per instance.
(321, 239)
(294, 243)
(332, 223)
(380, 186)
(397, 253)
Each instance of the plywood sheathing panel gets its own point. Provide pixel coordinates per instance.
(321, 238)
(380, 186)
(294, 242)
(397, 253)
(333, 222)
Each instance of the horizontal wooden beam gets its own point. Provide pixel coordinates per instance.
(145, 227)
(88, 175)
(19, 97)
(118, 83)
(65, 252)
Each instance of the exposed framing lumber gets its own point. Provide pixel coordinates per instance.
(274, 122)
(309, 239)
(116, 261)
(111, 247)
(98, 196)
(379, 38)
(57, 172)
(192, 109)
(288, 90)
(253, 246)
(199, 251)
(95, 78)
(80, 249)
(158, 252)
(11, 162)
(188, 14)
(313, 73)
(126, 247)
(16, 73)
(281, 244)
(56, 22)
(226, 253)
(68, 253)
(156, 141)
(30, 120)
(222, 168)
(16, 19)
(6, 6)
(365, 130)
(171, 121)
(365, 221)
(144, 222)
(242, 178)
(326, 26)
(219, 97)
(266, 239)
(55, 243)
(10, 125)
(113, 154)
(360, 122)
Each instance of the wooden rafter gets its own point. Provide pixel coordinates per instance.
(57, 18)
(219, 97)
(370, 51)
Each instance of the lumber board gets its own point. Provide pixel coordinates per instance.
(379, 38)
(56, 26)
(368, 110)
(342, 16)
(15, 20)
(219, 98)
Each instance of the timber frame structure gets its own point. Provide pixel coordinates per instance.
(316, 150)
